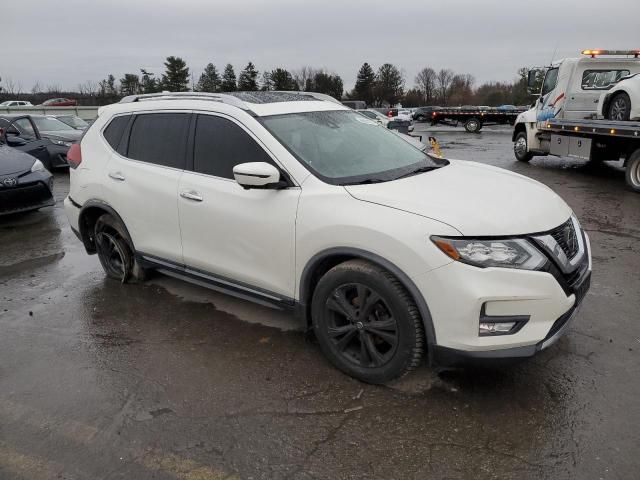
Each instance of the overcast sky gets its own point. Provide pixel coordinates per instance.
(68, 42)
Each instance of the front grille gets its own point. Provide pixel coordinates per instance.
(23, 197)
(566, 237)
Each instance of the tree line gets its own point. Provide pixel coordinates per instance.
(382, 87)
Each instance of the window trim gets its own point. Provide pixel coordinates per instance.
(596, 70)
(286, 176)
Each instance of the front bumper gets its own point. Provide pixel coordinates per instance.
(32, 192)
(458, 295)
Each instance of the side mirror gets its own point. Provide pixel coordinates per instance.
(15, 141)
(533, 83)
(258, 175)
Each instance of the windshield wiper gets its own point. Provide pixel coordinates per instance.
(367, 181)
(416, 171)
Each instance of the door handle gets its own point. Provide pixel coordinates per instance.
(191, 195)
(116, 176)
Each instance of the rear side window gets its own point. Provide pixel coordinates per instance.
(220, 145)
(602, 79)
(115, 129)
(159, 138)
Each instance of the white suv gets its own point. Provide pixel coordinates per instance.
(295, 201)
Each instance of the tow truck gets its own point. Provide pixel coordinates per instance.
(473, 119)
(564, 122)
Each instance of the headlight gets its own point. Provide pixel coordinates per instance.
(507, 253)
(37, 166)
(62, 143)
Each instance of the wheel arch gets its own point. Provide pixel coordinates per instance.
(518, 127)
(89, 213)
(325, 260)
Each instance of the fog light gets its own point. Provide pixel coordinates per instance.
(495, 328)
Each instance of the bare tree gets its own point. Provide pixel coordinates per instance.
(426, 82)
(54, 89)
(11, 87)
(304, 75)
(444, 78)
(461, 89)
(88, 88)
(37, 88)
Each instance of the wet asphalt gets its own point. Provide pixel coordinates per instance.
(165, 380)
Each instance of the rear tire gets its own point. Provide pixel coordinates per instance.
(473, 125)
(632, 171)
(520, 147)
(367, 324)
(619, 107)
(115, 253)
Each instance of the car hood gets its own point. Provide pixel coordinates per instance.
(70, 135)
(475, 199)
(14, 161)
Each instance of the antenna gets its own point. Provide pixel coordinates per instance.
(555, 50)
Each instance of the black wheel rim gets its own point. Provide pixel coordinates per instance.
(360, 325)
(111, 254)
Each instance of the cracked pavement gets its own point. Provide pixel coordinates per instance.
(171, 381)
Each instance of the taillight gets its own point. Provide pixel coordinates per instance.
(74, 155)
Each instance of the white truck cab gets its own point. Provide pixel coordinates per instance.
(571, 90)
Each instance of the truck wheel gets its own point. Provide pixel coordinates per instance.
(632, 173)
(619, 107)
(520, 148)
(367, 324)
(473, 125)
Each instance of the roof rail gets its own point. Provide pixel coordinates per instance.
(214, 97)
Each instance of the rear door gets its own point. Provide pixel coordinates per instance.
(141, 179)
(243, 236)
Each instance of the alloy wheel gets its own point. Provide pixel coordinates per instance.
(361, 326)
(111, 254)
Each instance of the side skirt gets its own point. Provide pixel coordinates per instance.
(217, 283)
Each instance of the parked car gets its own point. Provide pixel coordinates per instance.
(59, 102)
(367, 238)
(33, 132)
(506, 108)
(404, 114)
(422, 114)
(16, 103)
(375, 115)
(622, 102)
(24, 182)
(73, 121)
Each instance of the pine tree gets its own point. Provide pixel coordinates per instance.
(209, 80)
(130, 84)
(389, 86)
(248, 78)
(282, 80)
(229, 79)
(148, 83)
(176, 76)
(364, 84)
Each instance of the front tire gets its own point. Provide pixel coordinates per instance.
(520, 148)
(115, 253)
(367, 324)
(619, 107)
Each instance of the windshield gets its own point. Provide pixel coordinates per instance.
(343, 147)
(50, 124)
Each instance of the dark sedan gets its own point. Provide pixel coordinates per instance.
(31, 132)
(24, 182)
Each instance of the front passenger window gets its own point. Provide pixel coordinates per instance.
(220, 145)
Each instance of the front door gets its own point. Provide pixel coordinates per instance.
(22, 134)
(242, 237)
